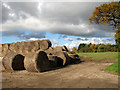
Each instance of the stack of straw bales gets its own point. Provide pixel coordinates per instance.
(36, 56)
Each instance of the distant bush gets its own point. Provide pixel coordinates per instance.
(95, 48)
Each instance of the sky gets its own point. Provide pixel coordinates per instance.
(64, 23)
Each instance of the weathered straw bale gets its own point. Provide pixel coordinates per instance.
(12, 46)
(24, 52)
(74, 58)
(13, 61)
(36, 62)
(16, 46)
(26, 46)
(38, 41)
(65, 48)
(73, 55)
(45, 44)
(64, 56)
(35, 46)
(0, 50)
(49, 51)
(4, 49)
(55, 61)
(19, 51)
(60, 48)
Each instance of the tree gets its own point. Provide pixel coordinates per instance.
(74, 50)
(117, 36)
(89, 44)
(107, 13)
(101, 48)
(81, 46)
(94, 47)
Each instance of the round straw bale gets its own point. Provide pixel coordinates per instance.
(26, 46)
(20, 51)
(0, 50)
(12, 46)
(34, 46)
(36, 62)
(24, 52)
(4, 49)
(21, 45)
(16, 46)
(38, 42)
(45, 44)
(13, 61)
(64, 56)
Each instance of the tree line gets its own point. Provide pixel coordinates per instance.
(95, 48)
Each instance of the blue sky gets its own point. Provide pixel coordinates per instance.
(62, 23)
(61, 39)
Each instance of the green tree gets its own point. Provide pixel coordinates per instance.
(101, 48)
(117, 36)
(81, 46)
(94, 47)
(107, 13)
(74, 50)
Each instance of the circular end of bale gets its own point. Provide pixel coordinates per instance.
(36, 62)
(45, 44)
(13, 61)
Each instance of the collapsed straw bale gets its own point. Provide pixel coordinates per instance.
(60, 49)
(52, 60)
(74, 58)
(55, 61)
(36, 62)
(64, 56)
(13, 61)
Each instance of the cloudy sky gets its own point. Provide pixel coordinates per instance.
(64, 23)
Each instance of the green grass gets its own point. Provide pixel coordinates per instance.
(113, 68)
(100, 56)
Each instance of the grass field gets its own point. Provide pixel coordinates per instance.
(105, 56)
(101, 56)
(113, 68)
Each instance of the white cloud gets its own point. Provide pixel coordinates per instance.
(33, 39)
(55, 42)
(90, 40)
(69, 39)
(72, 44)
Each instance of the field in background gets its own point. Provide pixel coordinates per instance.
(108, 57)
(101, 56)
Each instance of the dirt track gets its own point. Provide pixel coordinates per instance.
(83, 75)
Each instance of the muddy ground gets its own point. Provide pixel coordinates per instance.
(83, 75)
